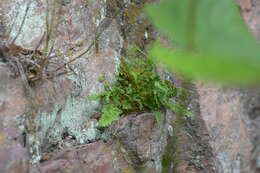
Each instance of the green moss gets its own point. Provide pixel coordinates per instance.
(135, 25)
(171, 155)
(128, 170)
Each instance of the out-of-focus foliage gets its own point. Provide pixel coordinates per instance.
(211, 41)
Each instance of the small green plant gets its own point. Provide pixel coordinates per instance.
(137, 88)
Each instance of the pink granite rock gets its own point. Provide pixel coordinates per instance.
(56, 105)
(97, 157)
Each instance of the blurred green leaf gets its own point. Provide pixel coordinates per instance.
(211, 40)
(208, 67)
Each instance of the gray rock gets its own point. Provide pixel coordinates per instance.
(143, 139)
(58, 106)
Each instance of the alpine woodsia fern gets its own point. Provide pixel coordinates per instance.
(137, 89)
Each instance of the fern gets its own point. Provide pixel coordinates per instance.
(137, 88)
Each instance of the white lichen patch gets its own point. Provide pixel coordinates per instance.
(100, 13)
(33, 26)
(34, 149)
(73, 118)
(69, 119)
(146, 35)
(88, 133)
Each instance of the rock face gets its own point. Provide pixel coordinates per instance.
(13, 155)
(221, 111)
(47, 125)
(57, 106)
(52, 56)
(142, 138)
(231, 117)
(134, 147)
(96, 157)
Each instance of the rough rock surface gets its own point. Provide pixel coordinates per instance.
(96, 157)
(57, 107)
(61, 134)
(232, 119)
(134, 147)
(221, 111)
(13, 155)
(47, 123)
(140, 135)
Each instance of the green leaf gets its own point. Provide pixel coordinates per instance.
(110, 114)
(177, 108)
(212, 40)
(101, 79)
(132, 51)
(159, 85)
(158, 116)
(188, 114)
(94, 97)
(208, 66)
(126, 105)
